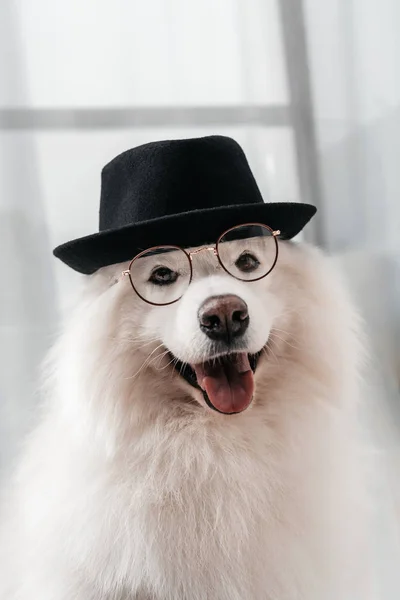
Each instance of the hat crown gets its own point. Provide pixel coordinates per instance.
(175, 176)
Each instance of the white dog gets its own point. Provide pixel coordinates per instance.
(133, 487)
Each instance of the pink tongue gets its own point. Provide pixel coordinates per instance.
(229, 383)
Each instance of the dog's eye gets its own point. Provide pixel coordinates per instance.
(247, 262)
(163, 276)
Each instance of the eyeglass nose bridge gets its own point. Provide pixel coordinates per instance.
(212, 248)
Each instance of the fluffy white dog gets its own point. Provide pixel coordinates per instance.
(163, 469)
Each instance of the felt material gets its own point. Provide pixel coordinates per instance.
(180, 192)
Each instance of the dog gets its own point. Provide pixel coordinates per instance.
(148, 478)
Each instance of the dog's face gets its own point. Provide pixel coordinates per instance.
(213, 336)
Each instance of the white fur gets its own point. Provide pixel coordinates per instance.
(131, 488)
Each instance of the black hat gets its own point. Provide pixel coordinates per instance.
(178, 192)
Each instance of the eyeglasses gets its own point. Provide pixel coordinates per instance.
(160, 275)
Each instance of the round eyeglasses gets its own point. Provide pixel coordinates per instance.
(160, 275)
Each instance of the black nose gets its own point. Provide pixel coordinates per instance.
(224, 318)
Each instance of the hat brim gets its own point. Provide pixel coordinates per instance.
(193, 228)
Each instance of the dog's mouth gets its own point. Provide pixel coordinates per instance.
(227, 382)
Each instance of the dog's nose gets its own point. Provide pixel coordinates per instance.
(223, 318)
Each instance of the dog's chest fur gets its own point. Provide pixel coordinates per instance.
(198, 513)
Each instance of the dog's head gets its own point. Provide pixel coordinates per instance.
(223, 341)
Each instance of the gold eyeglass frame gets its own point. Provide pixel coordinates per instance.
(214, 249)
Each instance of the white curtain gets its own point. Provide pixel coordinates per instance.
(354, 58)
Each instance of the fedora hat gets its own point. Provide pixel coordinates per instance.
(180, 192)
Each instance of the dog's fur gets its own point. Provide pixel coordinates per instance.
(132, 488)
